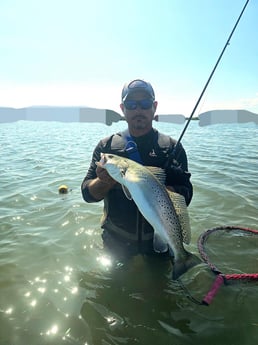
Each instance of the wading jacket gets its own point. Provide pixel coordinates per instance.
(121, 216)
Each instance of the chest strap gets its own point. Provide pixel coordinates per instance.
(131, 147)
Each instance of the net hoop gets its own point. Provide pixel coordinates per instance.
(204, 236)
(221, 278)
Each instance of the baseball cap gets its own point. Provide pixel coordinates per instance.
(137, 85)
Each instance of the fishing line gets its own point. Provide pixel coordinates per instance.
(221, 278)
(208, 81)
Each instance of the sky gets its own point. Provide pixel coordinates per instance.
(81, 52)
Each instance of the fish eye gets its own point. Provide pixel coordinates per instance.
(111, 156)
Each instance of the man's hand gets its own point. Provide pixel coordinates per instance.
(104, 176)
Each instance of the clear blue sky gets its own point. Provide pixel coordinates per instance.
(81, 52)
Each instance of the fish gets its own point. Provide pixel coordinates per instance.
(152, 199)
(179, 204)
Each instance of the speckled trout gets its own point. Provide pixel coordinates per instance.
(154, 203)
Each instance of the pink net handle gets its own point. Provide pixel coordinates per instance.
(214, 289)
(221, 279)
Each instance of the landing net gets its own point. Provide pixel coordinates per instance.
(231, 253)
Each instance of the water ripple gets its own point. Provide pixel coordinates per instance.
(56, 287)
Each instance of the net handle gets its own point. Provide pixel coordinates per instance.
(222, 278)
(213, 290)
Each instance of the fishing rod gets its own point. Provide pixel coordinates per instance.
(209, 79)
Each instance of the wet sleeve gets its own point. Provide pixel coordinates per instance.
(91, 174)
(178, 175)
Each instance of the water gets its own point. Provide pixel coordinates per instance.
(57, 286)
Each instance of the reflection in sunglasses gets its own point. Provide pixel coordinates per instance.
(143, 104)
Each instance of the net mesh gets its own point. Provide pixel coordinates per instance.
(231, 250)
(231, 253)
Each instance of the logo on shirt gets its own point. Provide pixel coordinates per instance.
(152, 153)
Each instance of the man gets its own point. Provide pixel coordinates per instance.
(125, 229)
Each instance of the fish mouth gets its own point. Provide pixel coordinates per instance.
(103, 160)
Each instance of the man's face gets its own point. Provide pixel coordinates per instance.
(137, 116)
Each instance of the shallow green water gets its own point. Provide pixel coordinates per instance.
(56, 284)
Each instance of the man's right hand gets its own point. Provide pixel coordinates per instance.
(104, 177)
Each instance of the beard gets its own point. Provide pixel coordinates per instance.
(139, 121)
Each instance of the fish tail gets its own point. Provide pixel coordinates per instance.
(182, 266)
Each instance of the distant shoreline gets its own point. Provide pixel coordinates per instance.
(107, 116)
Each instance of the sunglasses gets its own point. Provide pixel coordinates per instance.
(143, 104)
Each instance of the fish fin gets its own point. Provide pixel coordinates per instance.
(158, 244)
(171, 253)
(182, 213)
(159, 173)
(179, 203)
(181, 266)
(127, 193)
